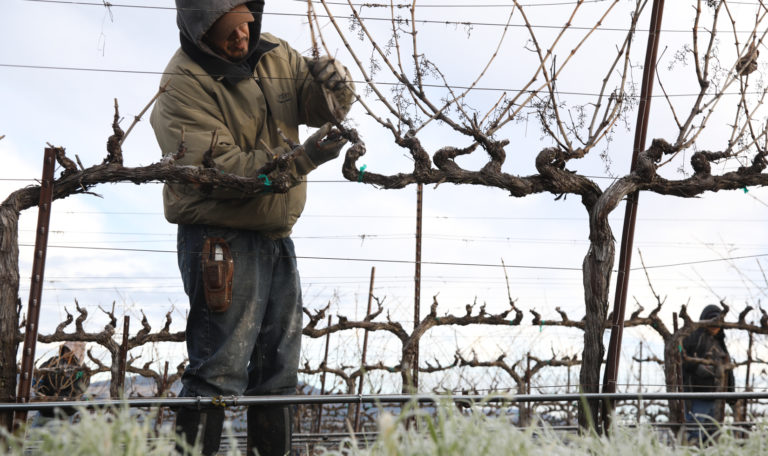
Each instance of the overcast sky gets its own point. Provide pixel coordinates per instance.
(63, 64)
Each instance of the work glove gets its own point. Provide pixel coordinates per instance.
(748, 62)
(322, 146)
(338, 88)
(705, 371)
(328, 72)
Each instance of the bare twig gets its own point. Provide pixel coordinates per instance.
(137, 118)
(310, 14)
(367, 78)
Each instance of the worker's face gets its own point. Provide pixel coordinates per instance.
(714, 330)
(235, 46)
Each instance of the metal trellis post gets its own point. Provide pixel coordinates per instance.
(417, 285)
(630, 216)
(319, 420)
(678, 374)
(36, 287)
(123, 357)
(163, 388)
(640, 383)
(365, 352)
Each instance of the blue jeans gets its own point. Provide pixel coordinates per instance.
(253, 347)
(700, 420)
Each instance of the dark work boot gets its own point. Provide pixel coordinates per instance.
(269, 430)
(208, 422)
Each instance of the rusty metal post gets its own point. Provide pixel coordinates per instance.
(529, 405)
(747, 385)
(747, 401)
(749, 361)
(162, 392)
(365, 352)
(36, 287)
(680, 418)
(322, 377)
(640, 411)
(165, 377)
(123, 358)
(569, 408)
(417, 285)
(630, 216)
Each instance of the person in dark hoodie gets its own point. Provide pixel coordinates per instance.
(706, 369)
(244, 89)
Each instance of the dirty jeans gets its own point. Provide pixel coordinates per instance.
(700, 420)
(253, 347)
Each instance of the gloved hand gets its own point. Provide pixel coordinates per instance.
(321, 147)
(329, 72)
(334, 78)
(705, 371)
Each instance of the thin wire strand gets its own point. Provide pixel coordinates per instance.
(508, 5)
(497, 5)
(381, 278)
(385, 19)
(170, 236)
(460, 217)
(429, 263)
(438, 86)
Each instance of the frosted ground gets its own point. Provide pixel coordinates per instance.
(446, 433)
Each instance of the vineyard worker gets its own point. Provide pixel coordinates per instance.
(712, 374)
(235, 255)
(62, 377)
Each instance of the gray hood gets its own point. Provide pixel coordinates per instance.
(195, 17)
(710, 312)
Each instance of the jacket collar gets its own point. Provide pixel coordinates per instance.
(218, 68)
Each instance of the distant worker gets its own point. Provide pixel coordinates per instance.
(61, 377)
(245, 90)
(706, 369)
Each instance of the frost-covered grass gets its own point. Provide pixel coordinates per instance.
(452, 433)
(106, 432)
(449, 433)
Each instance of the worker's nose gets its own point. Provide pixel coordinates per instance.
(241, 31)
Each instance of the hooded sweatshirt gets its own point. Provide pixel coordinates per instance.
(699, 377)
(242, 104)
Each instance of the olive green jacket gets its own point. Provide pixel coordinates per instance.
(246, 115)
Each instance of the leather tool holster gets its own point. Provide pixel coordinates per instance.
(218, 271)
